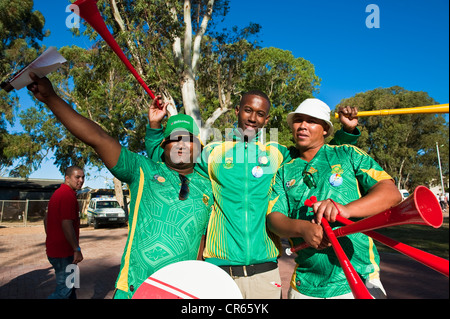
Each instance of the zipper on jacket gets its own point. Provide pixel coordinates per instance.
(247, 235)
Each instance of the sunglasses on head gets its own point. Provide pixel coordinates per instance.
(308, 179)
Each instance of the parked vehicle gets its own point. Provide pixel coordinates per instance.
(405, 194)
(105, 210)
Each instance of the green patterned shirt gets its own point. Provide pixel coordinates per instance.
(343, 173)
(162, 229)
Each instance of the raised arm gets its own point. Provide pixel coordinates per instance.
(154, 133)
(107, 148)
(348, 116)
(349, 132)
(155, 114)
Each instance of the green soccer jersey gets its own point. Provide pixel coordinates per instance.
(344, 174)
(162, 229)
(242, 173)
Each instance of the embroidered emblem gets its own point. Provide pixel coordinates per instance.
(290, 183)
(159, 178)
(312, 170)
(228, 163)
(337, 169)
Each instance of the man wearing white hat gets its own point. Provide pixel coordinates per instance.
(345, 180)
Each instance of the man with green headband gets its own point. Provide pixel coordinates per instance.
(170, 202)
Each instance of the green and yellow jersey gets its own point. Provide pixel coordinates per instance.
(242, 173)
(162, 229)
(344, 174)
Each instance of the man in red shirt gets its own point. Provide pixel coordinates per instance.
(62, 226)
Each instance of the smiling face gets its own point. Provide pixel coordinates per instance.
(180, 150)
(309, 132)
(252, 114)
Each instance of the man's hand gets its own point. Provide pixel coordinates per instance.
(155, 114)
(41, 88)
(77, 257)
(284, 226)
(314, 237)
(328, 210)
(348, 117)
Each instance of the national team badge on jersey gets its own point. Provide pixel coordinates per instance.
(336, 180)
(159, 178)
(337, 169)
(228, 163)
(290, 183)
(257, 171)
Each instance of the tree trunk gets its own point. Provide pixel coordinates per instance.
(186, 57)
(190, 101)
(118, 191)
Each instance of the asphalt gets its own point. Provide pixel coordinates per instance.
(25, 272)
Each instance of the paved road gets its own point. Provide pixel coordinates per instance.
(26, 273)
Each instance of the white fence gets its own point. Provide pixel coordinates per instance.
(23, 212)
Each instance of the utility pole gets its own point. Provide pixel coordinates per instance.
(440, 168)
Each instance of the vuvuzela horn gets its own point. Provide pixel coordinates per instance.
(87, 9)
(434, 262)
(441, 108)
(359, 289)
(421, 200)
(421, 208)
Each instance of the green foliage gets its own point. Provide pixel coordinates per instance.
(285, 79)
(99, 86)
(20, 30)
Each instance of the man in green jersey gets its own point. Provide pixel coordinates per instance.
(345, 174)
(170, 202)
(242, 169)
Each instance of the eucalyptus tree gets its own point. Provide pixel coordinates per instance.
(21, 30)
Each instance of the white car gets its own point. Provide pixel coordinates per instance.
(405, 193)
(105, 210)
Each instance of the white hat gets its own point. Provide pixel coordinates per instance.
(314, 108)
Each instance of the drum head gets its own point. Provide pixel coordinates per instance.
(192, 279)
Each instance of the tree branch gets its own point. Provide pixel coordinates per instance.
(187, 34)
(176, 46)
(216, 114)
(200, 34)
(119, 21)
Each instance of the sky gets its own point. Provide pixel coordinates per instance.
(353, 47)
